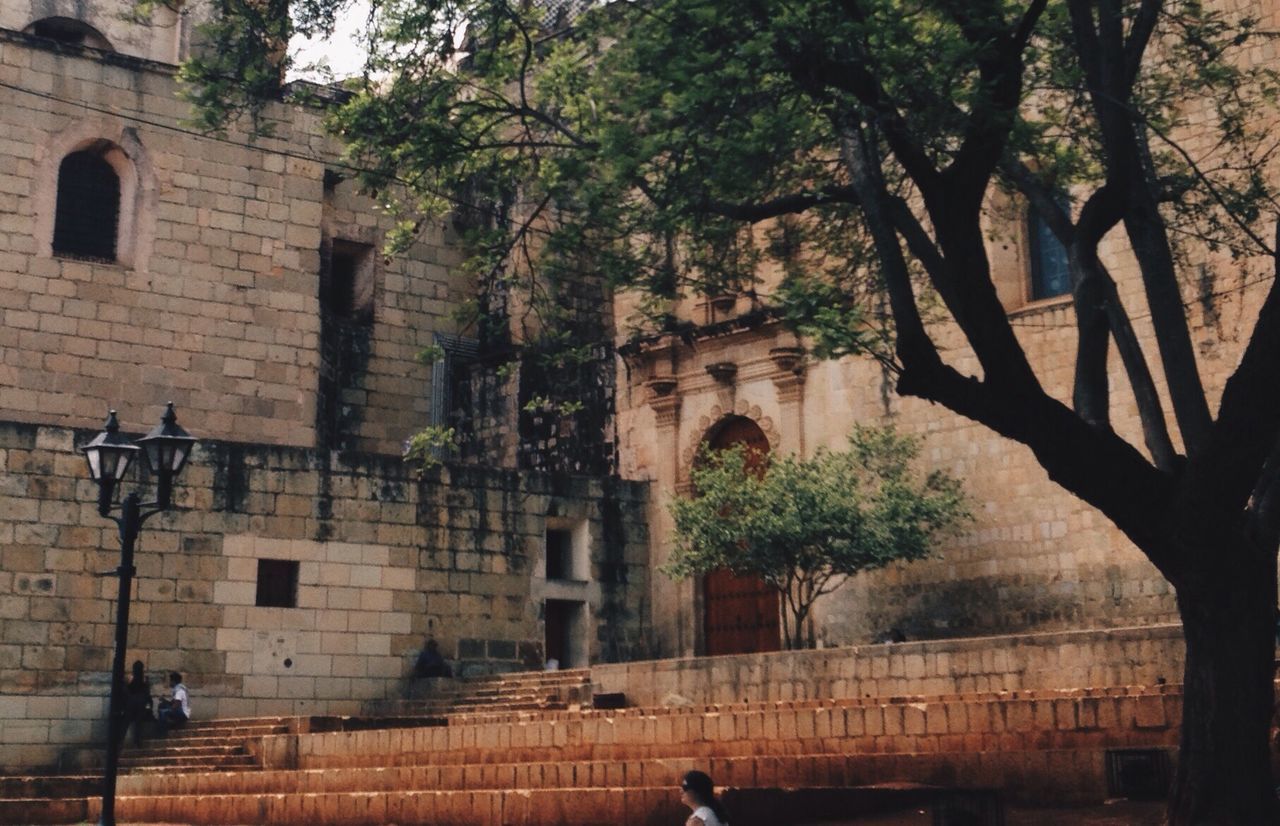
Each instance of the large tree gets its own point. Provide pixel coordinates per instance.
(869, 146)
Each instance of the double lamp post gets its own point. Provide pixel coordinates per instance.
(110, 455)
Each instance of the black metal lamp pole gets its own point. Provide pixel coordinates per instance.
(109, 456)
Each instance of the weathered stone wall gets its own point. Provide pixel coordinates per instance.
(214, 300)
(166, 36)
(1128, 657)
(1036, 558)
(384, 560)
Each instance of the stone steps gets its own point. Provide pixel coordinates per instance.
(510, 765)
(1034, 771)
(1134, 720)
(188, 763)
(211, 747)
(522, 807)
(521, 691)
(49, 786)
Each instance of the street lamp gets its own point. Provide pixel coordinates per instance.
(109, 456)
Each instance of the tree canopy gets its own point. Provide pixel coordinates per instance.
(805, 525)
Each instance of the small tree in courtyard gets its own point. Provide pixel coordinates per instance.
(805, 526)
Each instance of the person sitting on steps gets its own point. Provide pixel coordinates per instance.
(430, 663)
(176, 710)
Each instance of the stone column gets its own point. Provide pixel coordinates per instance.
(789, 381)
(671, 607)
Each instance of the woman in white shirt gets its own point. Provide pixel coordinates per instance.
(699, 793)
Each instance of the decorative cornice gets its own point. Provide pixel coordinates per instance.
(666, 410)
(788, 359)
(661, 386)
(790, 387)
(722, 371)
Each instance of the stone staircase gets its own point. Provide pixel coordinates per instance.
(513, 691)
(528, 750)
(204, 745)
(585, 766)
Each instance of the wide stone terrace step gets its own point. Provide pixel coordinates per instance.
(50, 786)
(583, 807)
(1105, 720)
(190, 762)
(1033, 773)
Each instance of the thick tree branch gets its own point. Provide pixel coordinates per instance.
(1248, 426)
(987, 129)
(1140, 31)
(915, 348)
(919, 242)
(1150, 242)
(792, 204)
(1264, 504)
(1094, 291)
(1129, 177)
(1129, 490)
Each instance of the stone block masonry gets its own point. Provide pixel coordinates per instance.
(214, 298)
(383, 559)
(1141, 656)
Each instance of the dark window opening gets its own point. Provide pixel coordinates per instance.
(1050, 271)
(565, 639)
(559, 554)
(277, 583)
(1138, 774)
(88, 208)
(452, 403)
(69, 31)
(348, 293)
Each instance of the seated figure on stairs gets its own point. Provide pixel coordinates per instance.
(430, 663)
(175, 710)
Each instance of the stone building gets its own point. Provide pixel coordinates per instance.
(243, 279)
(1036, 558)
(307, 564)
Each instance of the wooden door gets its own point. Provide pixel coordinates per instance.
(740, 614)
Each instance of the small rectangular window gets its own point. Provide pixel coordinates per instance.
(1138, 774)
(559, 554)
(1050, 269)
(277, 583)
(348, 291)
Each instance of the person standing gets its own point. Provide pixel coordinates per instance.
(699, 794)
(137, 699)
(178, 708)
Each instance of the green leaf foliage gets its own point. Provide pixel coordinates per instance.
(805, 525)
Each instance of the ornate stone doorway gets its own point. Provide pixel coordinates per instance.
(740, 613)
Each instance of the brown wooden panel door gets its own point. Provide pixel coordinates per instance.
(740, 613)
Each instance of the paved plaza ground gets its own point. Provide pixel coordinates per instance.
(1116, 813)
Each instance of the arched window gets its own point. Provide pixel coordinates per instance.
(70, 31)
(1050, 272)
(88, 210)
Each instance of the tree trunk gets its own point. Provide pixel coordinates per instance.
(1224, 762)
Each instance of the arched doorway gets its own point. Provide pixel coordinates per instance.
(740, 613)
